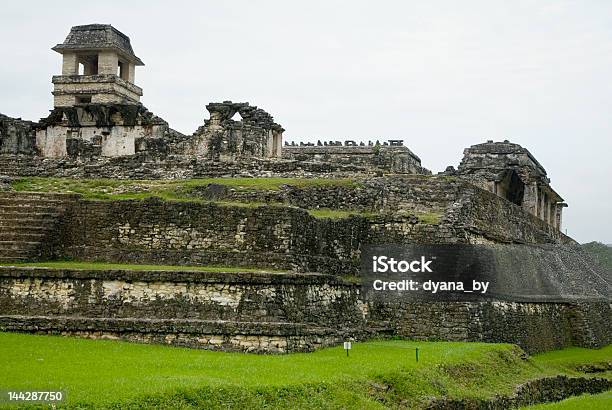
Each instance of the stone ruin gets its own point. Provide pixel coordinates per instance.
(499, 198)
(511, 172)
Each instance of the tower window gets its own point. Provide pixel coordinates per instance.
(122, 70)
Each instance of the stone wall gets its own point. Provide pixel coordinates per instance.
(312, 299)
(272, 312)
(535, 326)
(17, 136)
(207, 233)
(87, 132)
(393, 159)
(235, 131)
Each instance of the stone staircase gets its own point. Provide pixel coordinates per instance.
(27, 224)
(17, 165)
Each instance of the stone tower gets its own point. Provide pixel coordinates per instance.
(98, 67)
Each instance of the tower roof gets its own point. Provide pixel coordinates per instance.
(98, 37)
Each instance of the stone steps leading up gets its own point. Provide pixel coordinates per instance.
(27, 221)
(20, 254)
(19, 227)
(11, 235)
(41, 220)
(43, 196)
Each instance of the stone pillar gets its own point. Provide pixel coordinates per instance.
(108, 62)
(278, 143)
(270, 144)
(131, 73)
(530, 199)
(558, 214)
(70, 64)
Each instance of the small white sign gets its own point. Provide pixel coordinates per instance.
(347, 345)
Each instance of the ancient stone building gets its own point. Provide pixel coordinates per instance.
(98, 66)
(225, 137)
(96, 103)
(307, 294)
(510, 171)
(390, 156)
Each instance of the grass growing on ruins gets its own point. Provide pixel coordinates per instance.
(127, 266)
(378, 374)
(167, 189)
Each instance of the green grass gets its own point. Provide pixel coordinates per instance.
(600, 252)
(601, 401)
(127, 266)
(181, 190)
(166, 189)
(184, 191)
(378, 374)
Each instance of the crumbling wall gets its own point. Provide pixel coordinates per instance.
(377, 158)
(91, 131)
(223, 138)
(17, 136)
(204, 234)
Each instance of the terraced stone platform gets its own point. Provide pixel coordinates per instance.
(27, 224)
(247, 311)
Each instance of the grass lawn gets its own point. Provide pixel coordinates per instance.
(124, 266)
(602, 401)
(378, 374)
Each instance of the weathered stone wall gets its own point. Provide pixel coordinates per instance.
(17, 136)
(313, 299)
(545, 390)
(535, 326)
(90, 131)
(193, 233)
(394, 159)
(223, 137)
(511, 172)
(272, 312)
(103, 88)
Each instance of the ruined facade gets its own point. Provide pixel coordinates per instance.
(511, 172)
(253, 135)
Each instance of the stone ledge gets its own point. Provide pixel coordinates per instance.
(257, 337)
(251, 278)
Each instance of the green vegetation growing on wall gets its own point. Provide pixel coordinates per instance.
(600, 252)
(377, 374)
(166, 189)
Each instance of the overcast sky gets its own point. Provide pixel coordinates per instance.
(442, 75)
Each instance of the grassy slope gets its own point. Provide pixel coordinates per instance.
(183, 190)
(602, 401)
(377, 374)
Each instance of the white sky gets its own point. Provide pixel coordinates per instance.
(442, 75)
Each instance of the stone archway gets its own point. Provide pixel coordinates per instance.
(511, 187)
